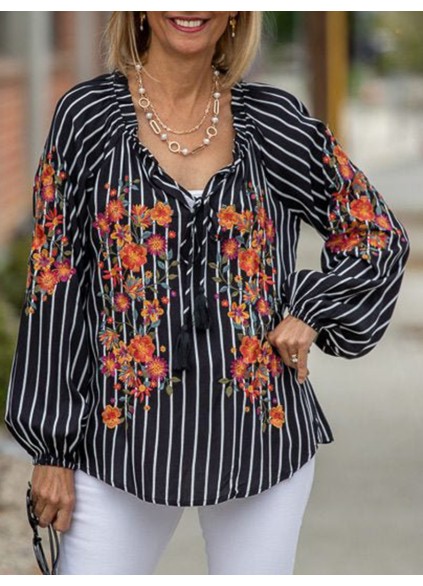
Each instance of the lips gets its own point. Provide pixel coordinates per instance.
(189, 25)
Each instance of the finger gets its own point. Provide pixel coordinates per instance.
(47, 515)
(302, 364)
(63, 520)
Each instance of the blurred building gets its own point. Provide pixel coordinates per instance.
(42, 54)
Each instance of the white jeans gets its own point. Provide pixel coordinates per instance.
(115, 532)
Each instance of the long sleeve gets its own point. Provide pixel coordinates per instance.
(47, 402)
(351, 301)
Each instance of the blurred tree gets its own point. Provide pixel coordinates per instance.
(400, 40)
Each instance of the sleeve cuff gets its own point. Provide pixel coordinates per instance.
(49, 460)
(307, 319)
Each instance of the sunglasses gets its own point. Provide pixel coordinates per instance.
(45, 567)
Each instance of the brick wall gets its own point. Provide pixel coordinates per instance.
(16, 172)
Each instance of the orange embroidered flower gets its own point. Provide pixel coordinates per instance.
(109, 338)
(359, 182)
(42, 260)
(238, 313)
(353, 240)
(245, 221)
(378, 239)
(121, 234)
(265, 280)
(141, 216)
(127, 375)
(251, 293)
(228, 217)
(48, 193)
(122, 353)
(263, 306)
(383, 222)
(102, 223)
(63, 270)
(157, 368)
(133, 256)
(115, 210)
(258, 240)
(141, 348)
(53, 219)
(362, 209)
(110, 364)
(122, 302)
(47, 174)
(270, 230)
(239, 369)
(340, 155)
(261, 216)
(277, 416)
(47, 281)
(162, 213)
(39, 238)
(115, 274)
(152, 311)
(112, 416)
(275, 364)
(336, 242)
(346, 171)
(249, 261)
(253, 389)
(156, 244)
(134, 288)
(230, 248)
(250, 349)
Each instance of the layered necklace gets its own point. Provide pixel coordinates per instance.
(163, 131)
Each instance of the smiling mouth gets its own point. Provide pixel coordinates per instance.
(188, 24)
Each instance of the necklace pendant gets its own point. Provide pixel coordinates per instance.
(174, 146)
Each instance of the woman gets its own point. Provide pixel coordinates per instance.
(162, 353)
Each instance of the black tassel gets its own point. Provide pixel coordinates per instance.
(182, 349)
(201, 311)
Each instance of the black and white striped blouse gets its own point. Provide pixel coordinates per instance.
(142, 356)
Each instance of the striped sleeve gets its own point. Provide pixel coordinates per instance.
(47, 396)
(351, 300)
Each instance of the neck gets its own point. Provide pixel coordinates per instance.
(179, 78)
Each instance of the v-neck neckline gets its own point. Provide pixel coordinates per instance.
(155, 171)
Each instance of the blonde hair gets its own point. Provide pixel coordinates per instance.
(126, 44)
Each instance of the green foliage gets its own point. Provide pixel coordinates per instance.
(13, 280)
(13, 273)
(403, 39)
(7, 343)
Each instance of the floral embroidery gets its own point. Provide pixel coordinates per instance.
(242, 270)
(48, 263)
(131, 357)
(358, 216)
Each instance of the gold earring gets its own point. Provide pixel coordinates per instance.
(232, 24)
(142, 18)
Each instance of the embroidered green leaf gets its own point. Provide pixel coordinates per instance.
(172, 276)
(213, 265)
(217, 279)
(161, 264)
(263, 426)
(175, 379)
(224, 381)
(169, 389)
(229, 390)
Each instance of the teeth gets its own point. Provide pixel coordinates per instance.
(188, 23)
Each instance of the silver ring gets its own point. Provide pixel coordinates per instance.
(294, 358)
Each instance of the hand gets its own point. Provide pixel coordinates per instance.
(53, 495)
(293, 336)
